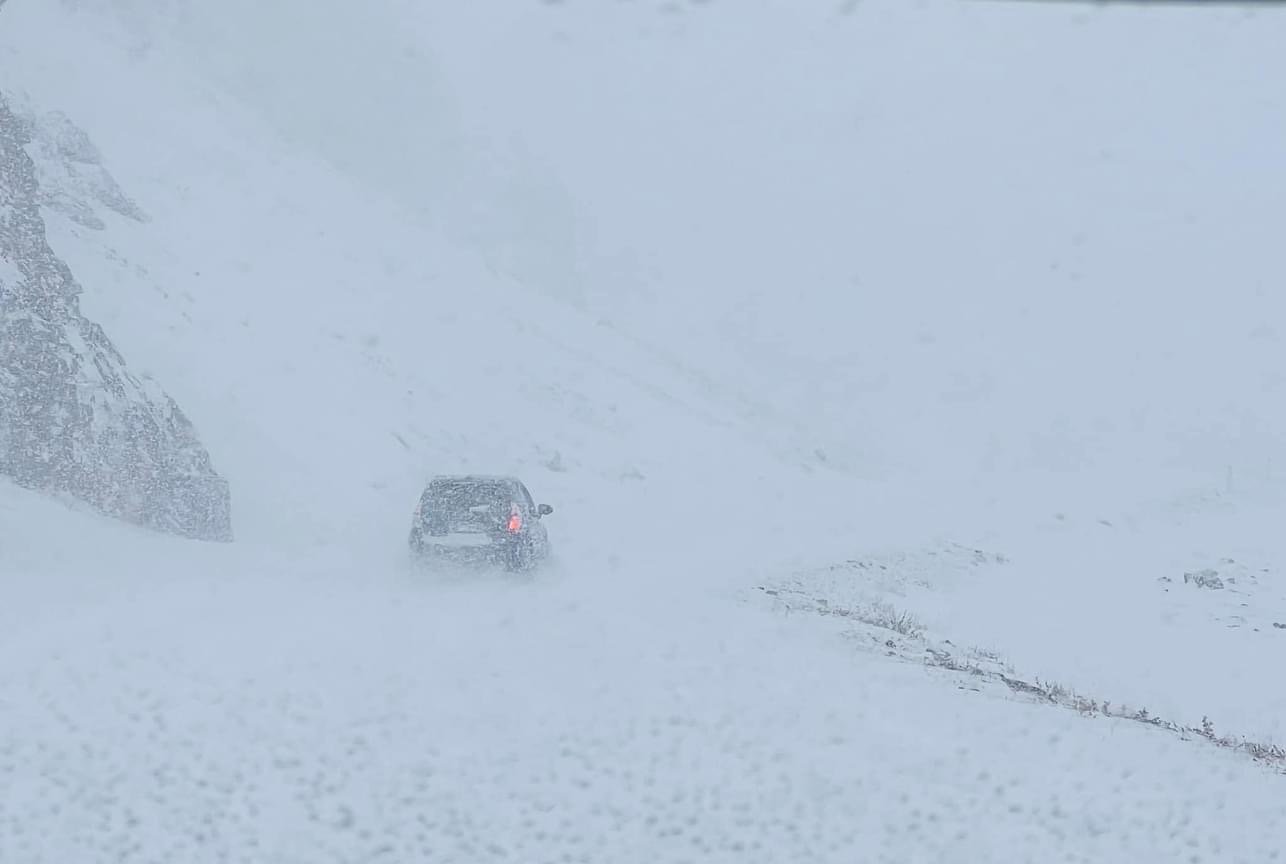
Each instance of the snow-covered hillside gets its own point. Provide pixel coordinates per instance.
(838, 335)
(1030, 225)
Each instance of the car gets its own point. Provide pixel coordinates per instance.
(479, 520)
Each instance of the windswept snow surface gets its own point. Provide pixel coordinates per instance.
(213, 705)
(746, 293)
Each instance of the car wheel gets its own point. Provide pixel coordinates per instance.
(518, 558)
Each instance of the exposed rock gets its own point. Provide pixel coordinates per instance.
(72, 417)
(1204, 579)
(70, 172)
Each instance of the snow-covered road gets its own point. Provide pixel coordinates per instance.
(224, 708)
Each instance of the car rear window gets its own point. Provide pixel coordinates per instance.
(463, 502)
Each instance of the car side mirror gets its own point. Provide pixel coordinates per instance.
(544, 509)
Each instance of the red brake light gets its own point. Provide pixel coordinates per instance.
(515, 520)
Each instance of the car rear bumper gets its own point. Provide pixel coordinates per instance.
(494, 552)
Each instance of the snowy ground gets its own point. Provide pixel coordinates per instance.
(302, 696)
(1120, 608)
(213, 708)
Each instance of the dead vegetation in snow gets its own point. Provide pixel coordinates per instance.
(904, 638)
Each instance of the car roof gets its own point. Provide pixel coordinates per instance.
(473, 478)
(492, 480)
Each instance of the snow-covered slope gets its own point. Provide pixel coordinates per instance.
(994, 219)
(745, 293)
(959, 241)
(356, 332)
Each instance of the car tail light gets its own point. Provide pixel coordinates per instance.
(515, 519)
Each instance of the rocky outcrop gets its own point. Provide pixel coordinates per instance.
(73, 418)
(70, 172)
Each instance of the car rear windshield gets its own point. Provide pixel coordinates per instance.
(469, 502)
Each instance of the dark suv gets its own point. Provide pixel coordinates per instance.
(479, 520)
